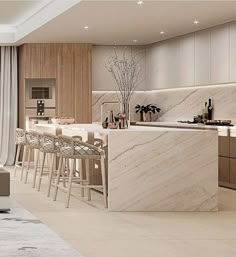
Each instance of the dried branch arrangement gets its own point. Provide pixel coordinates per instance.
(125, 70)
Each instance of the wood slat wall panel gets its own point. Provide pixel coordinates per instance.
(48, 62)
(32, 60)
(71, 65)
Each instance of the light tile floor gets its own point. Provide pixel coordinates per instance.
(98, 233)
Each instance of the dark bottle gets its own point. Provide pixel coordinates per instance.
(210, 109)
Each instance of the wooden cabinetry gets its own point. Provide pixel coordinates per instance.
(232, 152)
(70, 65)
(227, 161)
(32, 60)
(48, 60)
(223, 144)
(224, 169)
(232, 178)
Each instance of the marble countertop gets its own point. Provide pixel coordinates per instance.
(182, 125)
(98, 128)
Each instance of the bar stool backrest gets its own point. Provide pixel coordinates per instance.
(75, 148)
(34, 139)
(98, 142)
(50, 143)
(21, 137)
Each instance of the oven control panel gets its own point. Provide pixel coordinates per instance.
(40, 107)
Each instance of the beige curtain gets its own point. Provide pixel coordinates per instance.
(8, 103)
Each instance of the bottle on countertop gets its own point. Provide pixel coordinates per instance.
(210, 110)
(111, 119)
(205, 112)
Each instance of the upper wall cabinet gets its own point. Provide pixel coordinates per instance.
(32, 60)
(186, 60)
(220, 54)
(169, 72)
(202, 60)
(48, 64)
(40, 60)
(232, 57)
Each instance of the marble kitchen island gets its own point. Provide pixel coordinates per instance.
(156, 169)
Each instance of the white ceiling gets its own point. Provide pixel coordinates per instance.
(12, 12)
(120, 22)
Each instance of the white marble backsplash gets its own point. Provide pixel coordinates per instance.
(175, 104)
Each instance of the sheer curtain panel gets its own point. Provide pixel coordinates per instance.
(8, 103)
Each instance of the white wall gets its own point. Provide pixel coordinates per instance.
(202, 58)
(101, 78)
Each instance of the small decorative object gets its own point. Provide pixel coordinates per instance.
(122, 121)
(111, 121)
(147, 110)
(125, 71)
(105, 123)
(63, 120)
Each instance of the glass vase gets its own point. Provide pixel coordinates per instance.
(125, 114)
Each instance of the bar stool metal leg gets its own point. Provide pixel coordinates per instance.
(70, 183)
(17, 158)
(51, 174)
(58, 178)
(28, 164)
(104, 180)
(23, 162)
(36, 168)
(81, 176)
(88, 178)
(41, 171)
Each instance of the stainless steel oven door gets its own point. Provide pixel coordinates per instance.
(40, 89)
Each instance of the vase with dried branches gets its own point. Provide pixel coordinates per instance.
(125, 71)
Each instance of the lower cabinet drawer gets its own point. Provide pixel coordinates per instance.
(233, 171)
(223, 146)
(224, 169)
(232, 148)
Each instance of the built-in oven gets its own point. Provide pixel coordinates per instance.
(40, 101)
(40, 89)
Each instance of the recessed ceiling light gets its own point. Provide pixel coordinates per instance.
(140, 2)
(162, 32)
(196, 22)
(135, 40)
(86, 27)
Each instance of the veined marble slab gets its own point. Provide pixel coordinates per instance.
(163, 171)
(176, 104)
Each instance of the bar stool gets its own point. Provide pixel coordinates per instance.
(21, 141)
(72, 148)
(49, 145)
(33, 142)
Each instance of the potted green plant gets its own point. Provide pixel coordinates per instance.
(147, 110)
(140, 109)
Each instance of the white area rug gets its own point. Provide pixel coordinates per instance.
(23, 235)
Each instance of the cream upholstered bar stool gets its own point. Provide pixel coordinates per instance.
(73, 149)
(49, 145)
(21, 142)
(33, 142)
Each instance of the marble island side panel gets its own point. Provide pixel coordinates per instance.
(163, 171)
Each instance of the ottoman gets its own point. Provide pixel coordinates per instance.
(5, 201)
(4, 182)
